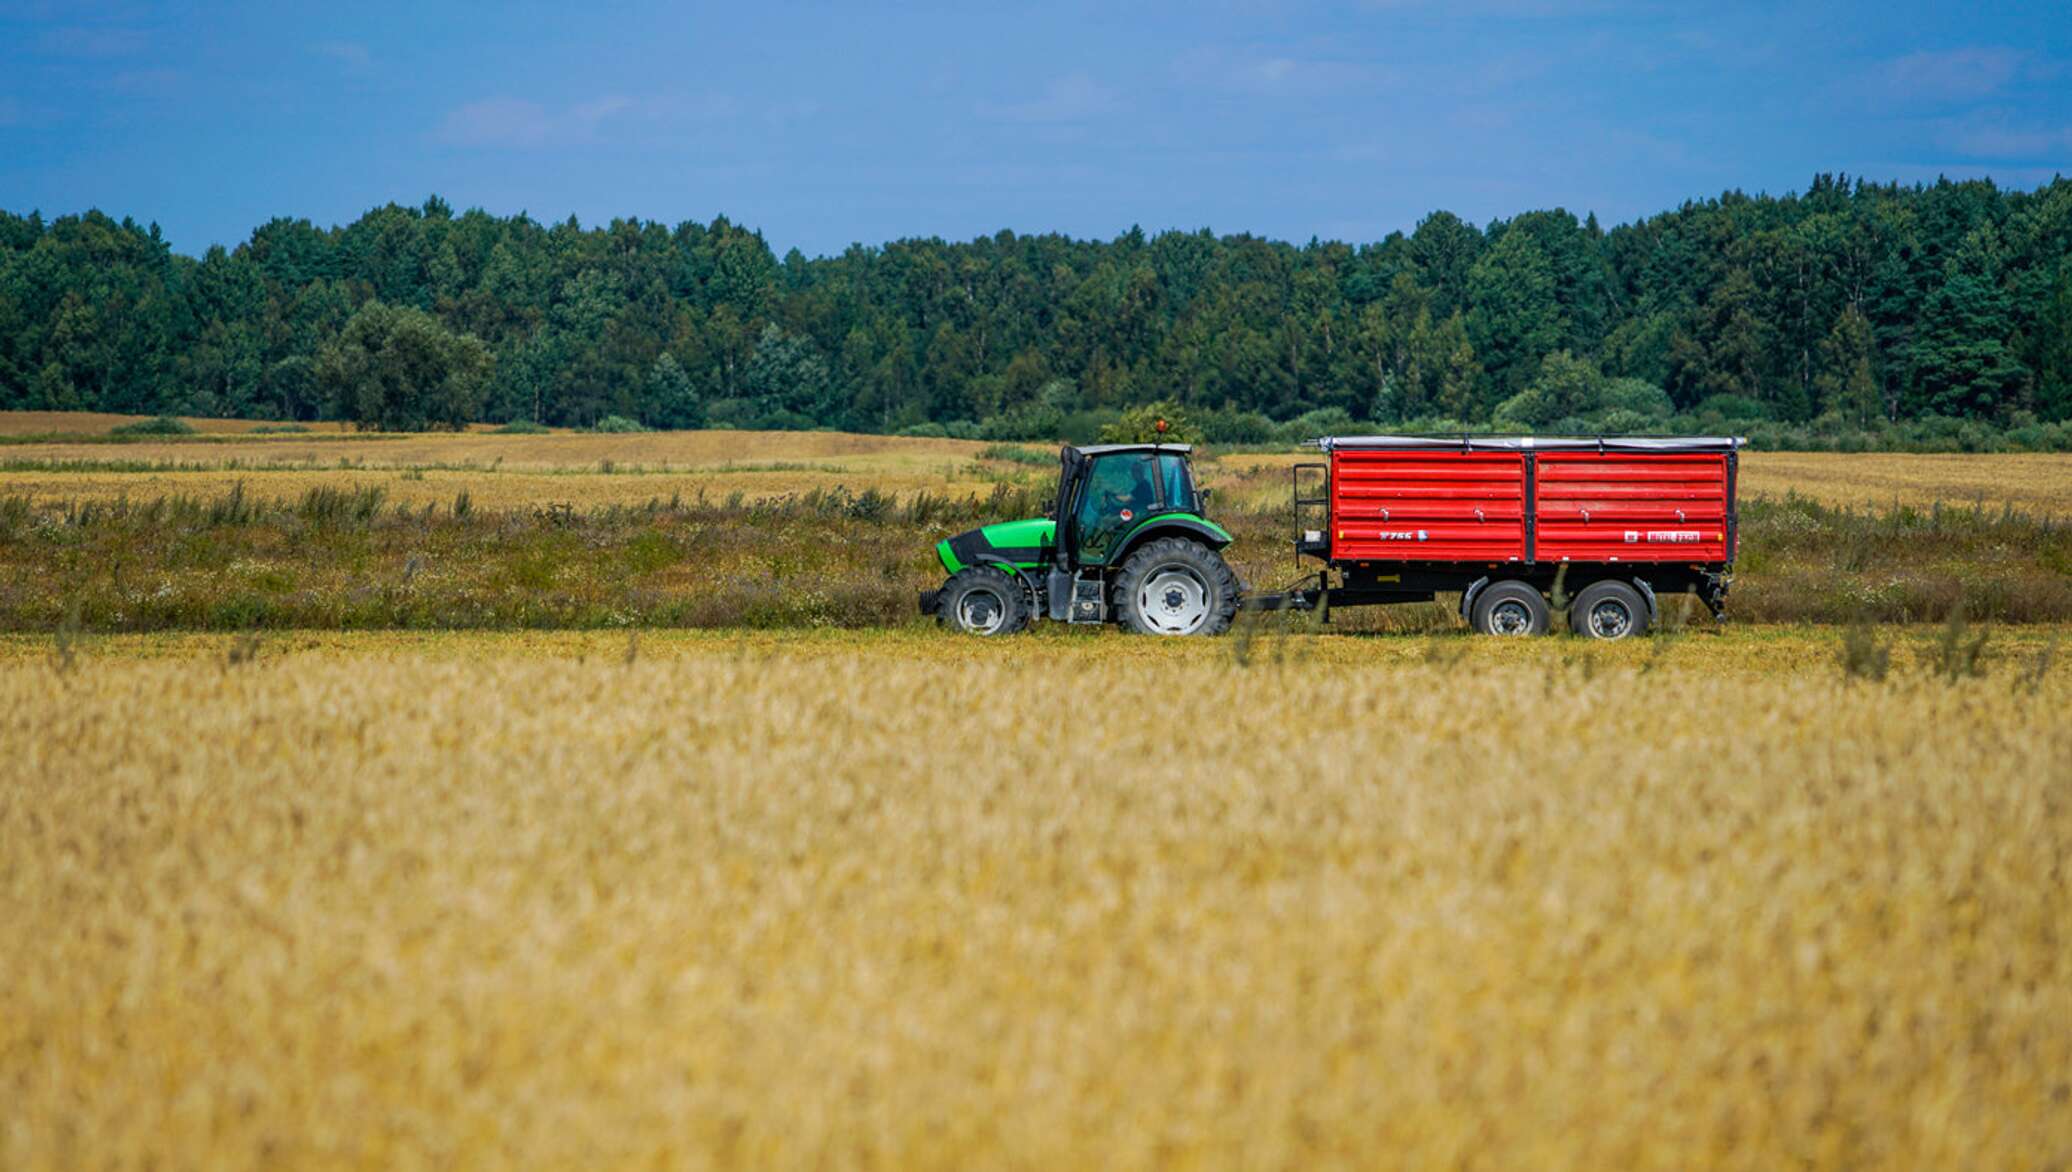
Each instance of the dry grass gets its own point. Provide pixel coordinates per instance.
(787, 903)
(1761, 651)
(511, 471)
(588, 469)
(2036, 482)
(501, 489)
(101, 422)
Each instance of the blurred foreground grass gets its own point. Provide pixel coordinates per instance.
(860, 899)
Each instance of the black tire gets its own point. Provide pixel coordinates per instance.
(1608, 610)
(1511, 608)
(980, 600)
(1173, 586)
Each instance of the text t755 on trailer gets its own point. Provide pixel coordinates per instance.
(1518, 525)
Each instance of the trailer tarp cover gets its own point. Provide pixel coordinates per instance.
(1529, 443)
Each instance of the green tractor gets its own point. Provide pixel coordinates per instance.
(1124, 542)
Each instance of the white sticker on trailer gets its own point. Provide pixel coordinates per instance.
(1676, 536)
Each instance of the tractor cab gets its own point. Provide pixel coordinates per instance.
(1106, 490)
(1123, 541)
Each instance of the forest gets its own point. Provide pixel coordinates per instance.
(1851, 314)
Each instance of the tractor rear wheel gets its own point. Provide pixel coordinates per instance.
(1173, 586)
(980, 600)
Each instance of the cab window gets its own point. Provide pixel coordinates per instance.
(1178, 483)
(1115, 485)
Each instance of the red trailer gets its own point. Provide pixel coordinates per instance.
(1521, 526)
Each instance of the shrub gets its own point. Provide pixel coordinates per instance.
(523, 427)
(924, 431)
(1140, 425)
(787, 421)
(1636, 395)
(963, 429)
(1231, 426)
(1032, 421)
(1323, 421)
(161, 425)
(280, 429)
(1085, 427)
(1017, 455)
(1733, 408)
(1620, 421)
(735, 414)
(618, 425)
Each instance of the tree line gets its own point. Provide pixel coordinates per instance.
(1851, 305)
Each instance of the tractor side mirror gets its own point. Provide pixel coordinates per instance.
(1203, 494)
(1050, 507)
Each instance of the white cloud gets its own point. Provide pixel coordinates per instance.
(518, 122)
(1302, 75)
(146, 82)
(1992, 135)
(1073, 98)
(87, 41)
(1966, 74)
(353, 55)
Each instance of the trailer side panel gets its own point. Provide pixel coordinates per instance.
(1427, 506)
(1631, 507)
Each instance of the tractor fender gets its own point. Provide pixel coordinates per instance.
(1187, 527)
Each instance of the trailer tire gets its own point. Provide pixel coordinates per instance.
(980, 600)
(1173, 586)
(1511, 608)
(1608, 610)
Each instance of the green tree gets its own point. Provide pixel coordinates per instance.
(1460, 385)
(669, 399)
(787, 380)
(1846, 384)
(395, 368)
(1962, 363)
(1514, 316)
(2054, 368)
(1566, 387)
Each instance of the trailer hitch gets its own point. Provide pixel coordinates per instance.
(1316, 597)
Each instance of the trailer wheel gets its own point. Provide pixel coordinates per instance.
(980, 600)
(1511, 608)
(1173, 586)
(1608, 610)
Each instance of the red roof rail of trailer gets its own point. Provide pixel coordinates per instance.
(1532, 443)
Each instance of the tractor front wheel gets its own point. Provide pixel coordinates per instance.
(1173, 586)
(980, 600)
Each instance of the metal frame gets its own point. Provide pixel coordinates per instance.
(1661, 444)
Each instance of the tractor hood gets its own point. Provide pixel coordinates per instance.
(1024, 544)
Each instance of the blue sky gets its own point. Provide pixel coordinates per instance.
(826, 124)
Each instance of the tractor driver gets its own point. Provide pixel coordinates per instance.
(1138, 498)
(1114, 498)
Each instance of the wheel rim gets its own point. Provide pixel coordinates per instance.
(981, 611)
(1174, 601)
(1510, 617)
(1610, 619)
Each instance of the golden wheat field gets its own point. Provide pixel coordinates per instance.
(588, 470)
(897, 901)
